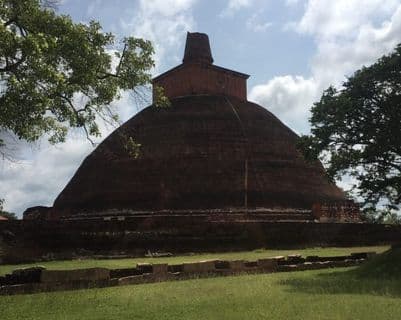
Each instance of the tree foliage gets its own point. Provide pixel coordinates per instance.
(56, 74)
(8, 215)
(356, 130)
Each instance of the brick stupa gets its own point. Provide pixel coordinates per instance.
(210, 150)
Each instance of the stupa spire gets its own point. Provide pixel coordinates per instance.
(198, 75)
(197, 48)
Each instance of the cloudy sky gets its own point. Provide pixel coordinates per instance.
(293, 49)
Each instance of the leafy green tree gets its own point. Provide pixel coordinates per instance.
(56, 74)
(356, 130)
(8, 215)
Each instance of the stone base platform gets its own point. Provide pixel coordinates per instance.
(35, 240)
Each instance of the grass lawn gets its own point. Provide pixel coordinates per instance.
(246, 255)
(371, 291)
(319, 294)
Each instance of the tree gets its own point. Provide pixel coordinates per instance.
(8, 215)
(356, 130)
(56, 74)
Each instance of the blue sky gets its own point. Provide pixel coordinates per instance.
(293, 50)
(239, 36)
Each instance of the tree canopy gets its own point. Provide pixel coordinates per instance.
(8, 215)
(356, 130)
(56, 74)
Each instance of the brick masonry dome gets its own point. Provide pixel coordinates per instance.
(210, 149)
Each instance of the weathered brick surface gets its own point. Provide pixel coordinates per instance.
(199, 267)
(125, 272)
(160, 271)
(145, 267)
(196, 78)
(295, 259)
(25, 275)
(363, 255)
(186, 233)
(268, 264)
(198, 75)
(237, 265)
(198, 135)
(92, 274)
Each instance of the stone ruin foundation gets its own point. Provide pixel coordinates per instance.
(38, 279)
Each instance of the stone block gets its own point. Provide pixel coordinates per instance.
(312, 258)
(325, 264)
(175, 268)
(222, 264)
(160, 268)
(145, 267)
(160, 271)
(124, 272)
(312, 265)
(27, 275)
(334, 258)
(199, 267)
(92, 274)
(288, 268)
(295, 259)
(280, 260)
(237, 265)
(251, 264)
(363, 255)
(268, 264)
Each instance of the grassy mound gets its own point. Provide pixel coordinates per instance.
(385, 265)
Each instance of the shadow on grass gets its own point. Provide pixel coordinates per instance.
(380, 276)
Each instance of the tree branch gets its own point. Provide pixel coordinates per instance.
(69, 102)
(14, 66)
(117, 74)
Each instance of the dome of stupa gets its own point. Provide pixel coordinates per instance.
(211, 149)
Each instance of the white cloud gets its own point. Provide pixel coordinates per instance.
(254, 24)
(290, 3)
(38, 181)
(340, 56)
(235, 5)
(348, 34)
(165, 8)
(164, 22)
(287, 97)
(343, 18)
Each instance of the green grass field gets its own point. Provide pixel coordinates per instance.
(372, 291)
(245, 255)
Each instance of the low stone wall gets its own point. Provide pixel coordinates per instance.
(38, 279)
(30, 241)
